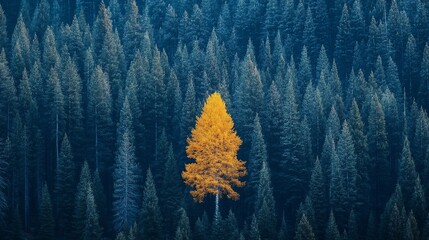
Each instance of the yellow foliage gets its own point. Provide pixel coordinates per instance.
(214, 145)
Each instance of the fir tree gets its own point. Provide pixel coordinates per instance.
(92, 229)
(126, 174)
(3, 30)
(150, 217)
(332, 229)
(46, 229)
(318, 196)
(8, 94)
(407, 172)
(265, 205)
(257, 156)
(183, 231)
(304, 230)
(64, 187)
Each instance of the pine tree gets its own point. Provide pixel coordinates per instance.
(257, 156)
(100, 118)
(362, 158)
(293, 172)
(7, 94)
(132, 30)
(346, 153)
(395, 224)
(318, 196)
(55, 117)
(46, 229)
(64, 187)
(344, 43)
(352, 226)
(332, 229)
(73, 109)
(424, 75)
(231, 226)
(3, 30)
(171, 194)
(126, 174)
(92, 229)
(5, 156)
(418, 202)
(378, 168)
(150, 221)
(265, 204)
(407, 173)
(304, 230)
(80, 201)
(183, 231)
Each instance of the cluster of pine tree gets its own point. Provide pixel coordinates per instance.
(330, 98)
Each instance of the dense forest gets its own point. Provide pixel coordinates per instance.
(329, 98)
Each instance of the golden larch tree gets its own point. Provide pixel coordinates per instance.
(213, 145)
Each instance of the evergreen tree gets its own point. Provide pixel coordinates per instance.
(395, 224)
(257, 156)
(64, 187)
(73, 109)
(100, 119)
(5, 156)
(3, 29)
(293, 175)
(265, 205)
(344, 43)
(7, 94)
(418, 202)
(318, 196)
(346, 153)
(46, 229)
(304, 230)
(352, 226)
(407, 172)
(332, 229)
(378, 168)
(80, 201)
(424, 75)
(171, 194)
(183, 231)
(126, 174)
(150, 217)
(92, 229)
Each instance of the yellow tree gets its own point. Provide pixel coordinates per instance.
(213, 145)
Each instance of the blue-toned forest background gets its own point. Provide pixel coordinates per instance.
(97, 100)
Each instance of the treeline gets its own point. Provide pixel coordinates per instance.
(330, 99)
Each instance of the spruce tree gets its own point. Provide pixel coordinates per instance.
(5, 156)
(257, 156)
(183, 231)
(407, 173)
(46, 229)
(64, 187)
(265, 205)
(346, 154)
(304, 230)
(126, 174)
(319, 198)
(8, 99)
(378, 146)
(100, 119)
(3, 29)
(92, 229)
(80, 201)
(150, 221)
(332, 229)
(171, 194)
(293, 175)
